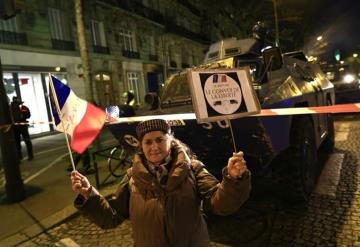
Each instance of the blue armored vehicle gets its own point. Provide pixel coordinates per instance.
(285, 145)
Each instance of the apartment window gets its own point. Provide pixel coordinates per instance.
(98, 37)
(9, 33)
(127, 40)
(58, 25)
(185, 56)
(172, 57)
(98, 33)
(9, 25)
(152, 47)
(133, 83)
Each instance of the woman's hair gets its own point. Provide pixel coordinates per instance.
(175, 142)
(186, 148)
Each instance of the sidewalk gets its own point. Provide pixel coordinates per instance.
(49, 199)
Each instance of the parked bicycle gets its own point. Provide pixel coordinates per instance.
(121, 156)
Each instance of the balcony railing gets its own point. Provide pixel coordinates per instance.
(63, 45)
(173, 64)
(131, 54)
(101, 49)
(185, 65)
(151, 14)
(190, 7)
(153, 57)
(13, 38)
(138, 8)
(176, 29)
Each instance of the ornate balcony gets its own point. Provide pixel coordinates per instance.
(63, 45)
(101, 49)
(173, 64)
(13, 38)
(153, 57)
(131, 54)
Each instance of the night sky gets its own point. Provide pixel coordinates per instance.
(338, 21)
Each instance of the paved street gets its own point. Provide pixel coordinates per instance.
(330, 218)
(48, 193)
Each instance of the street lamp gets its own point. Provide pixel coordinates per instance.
(276, 23)
(319, 38)
(355, 55)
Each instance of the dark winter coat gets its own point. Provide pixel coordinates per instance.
(20, 113)
(170, 216)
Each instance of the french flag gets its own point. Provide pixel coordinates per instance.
(80, 119)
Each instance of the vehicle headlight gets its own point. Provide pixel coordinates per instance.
(349, 78)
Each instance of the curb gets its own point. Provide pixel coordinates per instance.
(38, 228)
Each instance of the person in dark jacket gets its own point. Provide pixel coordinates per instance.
(86, 162)
(127, 108)
(20, 114)
(165, 192)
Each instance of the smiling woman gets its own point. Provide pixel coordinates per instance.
(166, 191)
(155, 144)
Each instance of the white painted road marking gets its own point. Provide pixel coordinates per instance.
(330, 175)
(28, 179)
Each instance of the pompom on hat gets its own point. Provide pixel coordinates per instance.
(152, 125)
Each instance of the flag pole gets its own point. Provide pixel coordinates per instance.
(62, 122)
(232, 135)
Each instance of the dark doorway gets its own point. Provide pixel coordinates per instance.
(153, 82)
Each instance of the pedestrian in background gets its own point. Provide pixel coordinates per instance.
(86, 162)
(20, 113)
(165, 192)
(127, 108)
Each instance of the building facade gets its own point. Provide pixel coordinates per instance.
(133, 45)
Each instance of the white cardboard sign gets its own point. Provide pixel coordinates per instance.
(222, 94)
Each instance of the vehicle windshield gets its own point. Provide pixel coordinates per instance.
(255, 68)
(176, 90)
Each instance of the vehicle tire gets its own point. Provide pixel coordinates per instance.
(329, 142)
(302, 158)
(119, 161)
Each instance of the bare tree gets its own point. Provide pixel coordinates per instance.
(89, 91)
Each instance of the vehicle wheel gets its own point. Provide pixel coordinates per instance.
(299, 172)
(119, 161)
(329, 142)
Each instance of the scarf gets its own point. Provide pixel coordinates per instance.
(161, 171)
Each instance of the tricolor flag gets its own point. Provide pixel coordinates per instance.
(80, 119)
(215, 78)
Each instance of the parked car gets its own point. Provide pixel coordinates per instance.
(286, 146)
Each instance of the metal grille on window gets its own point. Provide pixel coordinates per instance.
(98, 34)
(9, 25)
(57, 24)
(127, 40)
(133, 84)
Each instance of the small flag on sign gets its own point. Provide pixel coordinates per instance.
(215, 78)
(112, 111)
(80, 119)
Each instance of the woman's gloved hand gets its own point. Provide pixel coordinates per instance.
(80, 184)
(237, 165)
